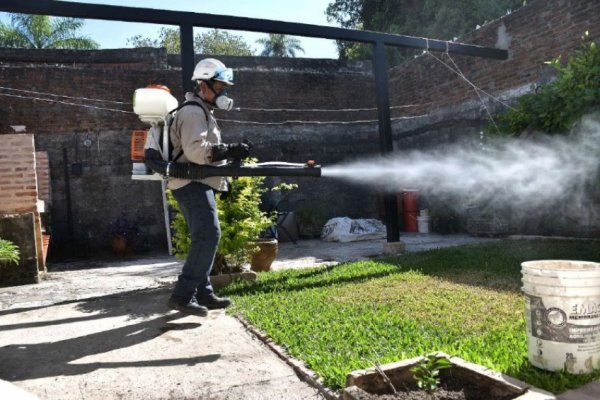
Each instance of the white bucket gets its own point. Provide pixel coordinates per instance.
(562, 314)
(423, 224)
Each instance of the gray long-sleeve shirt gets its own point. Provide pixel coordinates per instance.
(192, 133)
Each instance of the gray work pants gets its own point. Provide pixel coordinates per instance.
(197, 202)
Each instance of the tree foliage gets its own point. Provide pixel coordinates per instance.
(44, 32)
(168, 38)
(214, 41)
(279, 45)
(554, 107)
(436, 19)
(221, 42)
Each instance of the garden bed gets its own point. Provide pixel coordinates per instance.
(462, 381)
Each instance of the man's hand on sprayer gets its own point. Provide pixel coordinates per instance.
(239, 150)
(236, 151)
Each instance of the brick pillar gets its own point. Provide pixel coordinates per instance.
(42, 169)
(19, 197)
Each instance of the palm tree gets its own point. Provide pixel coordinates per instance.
(279, 45)
(43, 32)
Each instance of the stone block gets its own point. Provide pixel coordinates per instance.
(19, 229)
(394, 248)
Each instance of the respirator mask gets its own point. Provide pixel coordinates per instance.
(221, 100)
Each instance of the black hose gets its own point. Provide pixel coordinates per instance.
(169, 169)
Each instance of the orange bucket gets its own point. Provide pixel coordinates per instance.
(410, 210)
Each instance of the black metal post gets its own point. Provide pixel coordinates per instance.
(68, 193)
(186, 37)
(386, 145)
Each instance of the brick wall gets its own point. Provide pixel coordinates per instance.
(88, 150)
(260, 84)
(540, 31)
(17, 174)
(42, 168)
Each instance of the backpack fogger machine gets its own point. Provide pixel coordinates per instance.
(151, 150)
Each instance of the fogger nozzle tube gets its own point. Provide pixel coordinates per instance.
(171, 169)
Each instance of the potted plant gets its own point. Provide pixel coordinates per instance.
(242, 222)
(264, 250)
(124, 235)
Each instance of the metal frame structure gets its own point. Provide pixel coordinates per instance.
(186, 21)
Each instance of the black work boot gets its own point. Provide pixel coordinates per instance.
(187, 306)
(212, 302)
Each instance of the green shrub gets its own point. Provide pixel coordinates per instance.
(427, 372)
(554, 107)
(9, 252)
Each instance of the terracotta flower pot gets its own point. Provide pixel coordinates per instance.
(263, 258)
(119, 244)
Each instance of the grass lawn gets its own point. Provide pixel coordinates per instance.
(465, 301)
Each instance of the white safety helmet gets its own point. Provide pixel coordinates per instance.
(211, 68)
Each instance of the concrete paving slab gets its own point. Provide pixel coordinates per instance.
(130, 346)
(318, 252)
(591, 391)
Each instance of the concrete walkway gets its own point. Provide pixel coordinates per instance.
(101, 330)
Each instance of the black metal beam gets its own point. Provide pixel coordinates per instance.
(178, 18)
(186, 35)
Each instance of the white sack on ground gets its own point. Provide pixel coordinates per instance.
(344, 229)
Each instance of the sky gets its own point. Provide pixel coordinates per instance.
(115, 34)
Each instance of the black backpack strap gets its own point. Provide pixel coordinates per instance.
(187, 103)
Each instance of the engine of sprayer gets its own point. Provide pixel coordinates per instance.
(151, 104)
